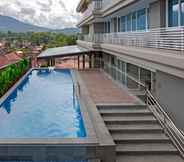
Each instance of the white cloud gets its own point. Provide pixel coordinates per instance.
(47, 13)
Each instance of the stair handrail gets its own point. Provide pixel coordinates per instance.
(169, 127)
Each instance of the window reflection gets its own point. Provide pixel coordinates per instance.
(134, 21)
(123, 23)
(141, 19)
(129, 18)
(182, 12)
(173, 12)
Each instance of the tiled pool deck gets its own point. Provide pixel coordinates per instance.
(103, 90)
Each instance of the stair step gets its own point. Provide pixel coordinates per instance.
(134, 128)
(139, 137)
(149, 158)
(122, 115)
(126, 112)
(129, 119)
(146, 148)
(123, 107)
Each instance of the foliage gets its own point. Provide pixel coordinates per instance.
(47, 39)
(10, 74)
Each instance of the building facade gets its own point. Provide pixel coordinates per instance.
(140, 43)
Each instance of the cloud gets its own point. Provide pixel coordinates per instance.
(55, 14)
(63, 5)
(28, 11)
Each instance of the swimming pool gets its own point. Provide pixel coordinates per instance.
(44, 105)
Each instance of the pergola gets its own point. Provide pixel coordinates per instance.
(67, 51)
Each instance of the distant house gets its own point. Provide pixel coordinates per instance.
(3, 48)
(9, 58)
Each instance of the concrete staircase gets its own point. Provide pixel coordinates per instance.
(138, 135)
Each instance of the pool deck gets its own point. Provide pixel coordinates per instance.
(104, 91)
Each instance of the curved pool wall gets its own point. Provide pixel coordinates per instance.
(43, 105)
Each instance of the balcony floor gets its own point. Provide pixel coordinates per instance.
(102, 90)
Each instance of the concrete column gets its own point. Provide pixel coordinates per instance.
(93, 60)
(78, 61)
(90, 61)
(48, 62)
(53, 62)
(83, 61)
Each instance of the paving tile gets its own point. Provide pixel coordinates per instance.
(103, 90)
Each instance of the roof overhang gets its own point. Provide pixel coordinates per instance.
(63, 52)
(82, 6)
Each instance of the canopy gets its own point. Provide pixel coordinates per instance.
(63, 52)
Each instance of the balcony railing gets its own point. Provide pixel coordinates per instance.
(162, 38)
(93, 6)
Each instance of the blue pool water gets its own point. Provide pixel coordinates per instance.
(42, 106)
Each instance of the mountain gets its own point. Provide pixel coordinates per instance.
(67, 31)
(11, 24)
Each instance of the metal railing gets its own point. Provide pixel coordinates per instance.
(97, 4)
(176, 135)
(171, 38)
(169, 127)
(96, 38)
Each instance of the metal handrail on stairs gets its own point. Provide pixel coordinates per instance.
(169, 127)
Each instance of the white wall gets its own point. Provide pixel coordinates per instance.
(170, 93)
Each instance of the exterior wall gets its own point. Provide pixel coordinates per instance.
(157, 14)
(99, 27)
(154, 15)
(170, 93)
(108, 3)
(91, 28)
(163, 16)
(85, 29)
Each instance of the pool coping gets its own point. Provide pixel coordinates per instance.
(107, 146)
(89, 140)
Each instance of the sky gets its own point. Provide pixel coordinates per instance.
(56, 14)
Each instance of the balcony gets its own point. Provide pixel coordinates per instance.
(93, 7)
(161, 38)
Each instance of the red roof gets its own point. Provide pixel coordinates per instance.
(9, 59)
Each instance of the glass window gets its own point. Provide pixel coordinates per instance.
(145, 76)
(134, 21)
(108, 27)
(132, 84)
(132, 70)
(122, 66)
(115, 24)
(119, 64)
(173, 6)
(112, 60)
(182, 12)
(123, 24)
(129, 22)
(141, 19)
(119, 24)
(148, 18)
(105, 27)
